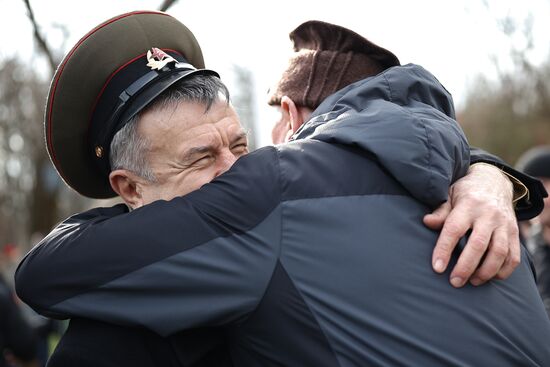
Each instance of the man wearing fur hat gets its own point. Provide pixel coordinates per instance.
(311, 253)
(327, 59)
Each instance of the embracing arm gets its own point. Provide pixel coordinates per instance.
(528, 204)
(198, 260)
(483, 202)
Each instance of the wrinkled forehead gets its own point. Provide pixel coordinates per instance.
(191, 124)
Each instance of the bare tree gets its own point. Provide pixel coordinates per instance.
(511, 114)
(26, 204)
(166, 4)
(40, 40)
(30, 190)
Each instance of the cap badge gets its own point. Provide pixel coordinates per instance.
(157, 59)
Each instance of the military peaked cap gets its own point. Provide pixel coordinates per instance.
(110, 75)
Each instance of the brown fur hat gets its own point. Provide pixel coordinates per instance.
(327, 58)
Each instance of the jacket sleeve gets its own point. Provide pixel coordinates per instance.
(527, 207)
(203, 259)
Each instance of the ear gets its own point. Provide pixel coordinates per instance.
(126, 184)
(295, 118)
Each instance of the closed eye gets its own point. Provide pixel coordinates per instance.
(239, 149)
(197, 154)
(202, 160)
(240, 146)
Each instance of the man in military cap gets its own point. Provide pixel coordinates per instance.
(99, 149)
(301, 252)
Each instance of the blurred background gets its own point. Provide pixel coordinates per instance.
(493, 56)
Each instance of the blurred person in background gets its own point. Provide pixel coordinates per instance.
(536, 162)
(10, 255)
(44, 329)
(18, 341)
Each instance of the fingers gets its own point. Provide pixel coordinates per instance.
(511, 263)
(495, 259)
(453, 229)
(514, 256)
(481, 201)
(504, 241)
(471, 256)
(435, 219)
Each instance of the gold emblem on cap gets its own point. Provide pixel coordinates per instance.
(99, 151)
(157, 59)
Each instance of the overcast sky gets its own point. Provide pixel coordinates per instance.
(455, 40)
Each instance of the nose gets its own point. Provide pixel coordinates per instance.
(225, 160)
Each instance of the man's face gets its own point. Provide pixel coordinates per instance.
(188, 147)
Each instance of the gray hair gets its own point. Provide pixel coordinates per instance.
(129, 149)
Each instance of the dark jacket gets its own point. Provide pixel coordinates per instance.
(91, 343)
(312, 253)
